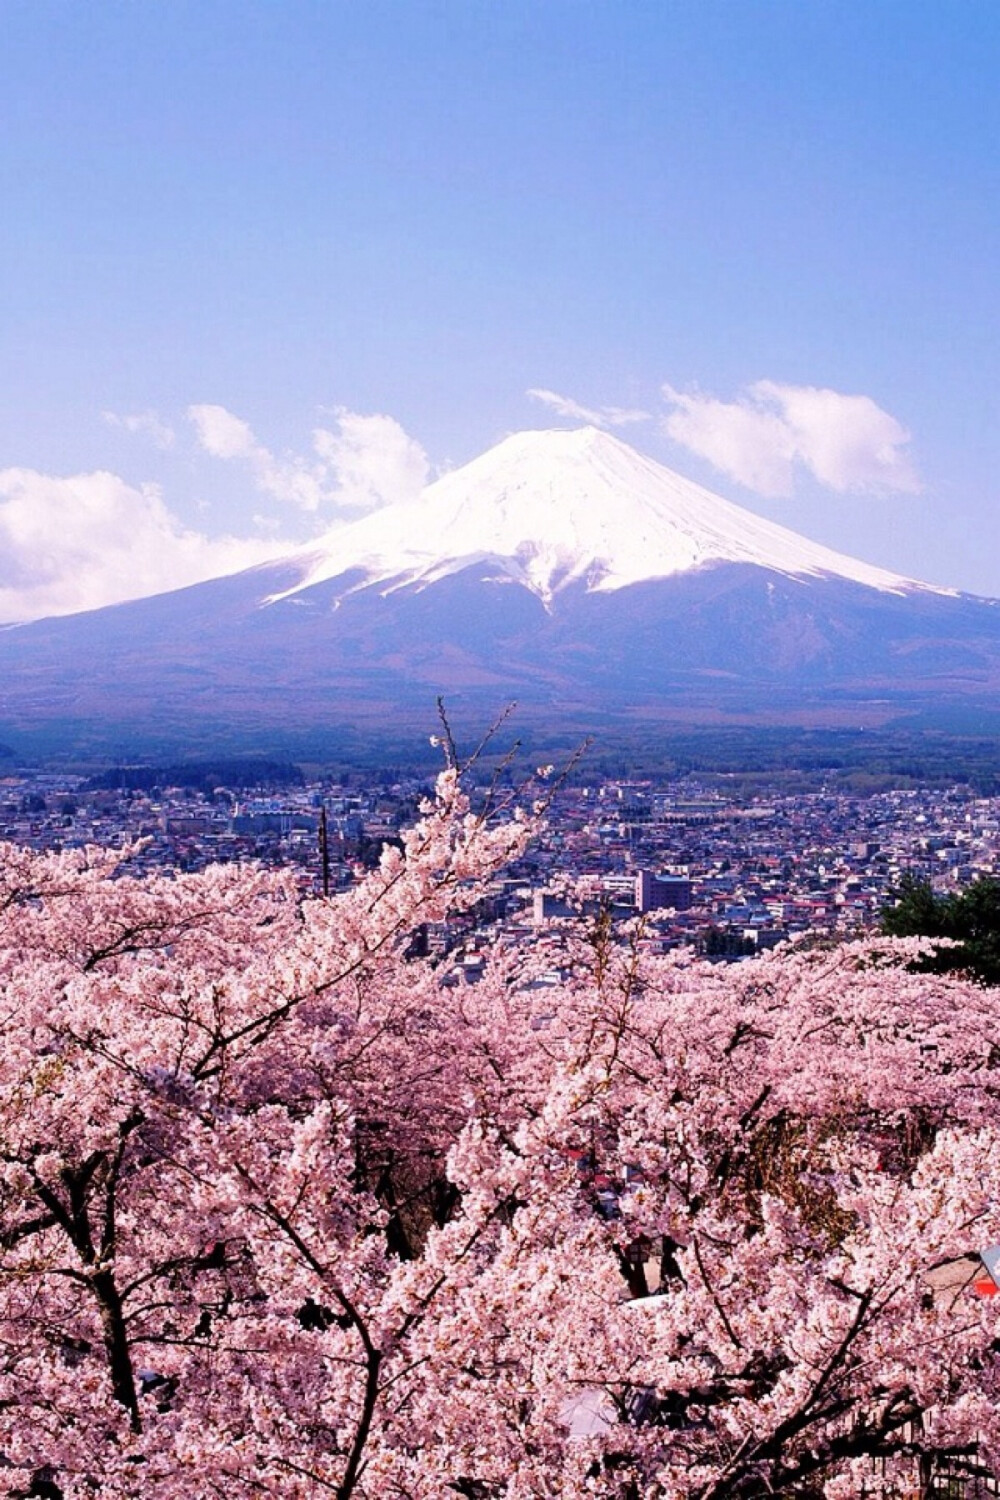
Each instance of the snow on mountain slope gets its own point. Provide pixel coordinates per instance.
(546, 509)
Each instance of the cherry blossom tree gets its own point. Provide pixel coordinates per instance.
(288, 1210)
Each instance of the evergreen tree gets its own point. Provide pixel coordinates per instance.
(970, 919)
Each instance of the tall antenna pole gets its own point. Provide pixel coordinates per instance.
(324, 850)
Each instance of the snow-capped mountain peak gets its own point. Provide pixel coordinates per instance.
(732, 621)
(549, 508)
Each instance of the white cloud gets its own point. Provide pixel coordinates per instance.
(367, 462)
(600, 416)
(144, 424)
(69, 544)
(741, 439)
(290, 480)
(223, 435)
(848, 443)
(371, 461)
(84, 541)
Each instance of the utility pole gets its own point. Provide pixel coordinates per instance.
(324, 850)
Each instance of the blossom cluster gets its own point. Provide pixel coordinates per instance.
(288, 1210)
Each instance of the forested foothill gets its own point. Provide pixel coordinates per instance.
(288, 1210)
(900, 755)
(201, 775)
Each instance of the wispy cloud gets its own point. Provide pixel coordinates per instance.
(361, 464)
(848, 443)
(291, 480)
(76, 543)
(597, 416)
(144, 424)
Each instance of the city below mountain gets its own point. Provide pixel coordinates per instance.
(561, 569)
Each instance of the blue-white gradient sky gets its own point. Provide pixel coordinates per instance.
(264, 266)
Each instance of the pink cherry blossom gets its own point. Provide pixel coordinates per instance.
(287, 1211)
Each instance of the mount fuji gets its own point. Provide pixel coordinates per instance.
(548, 510)
(562, 569)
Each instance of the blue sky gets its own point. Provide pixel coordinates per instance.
(227, 227)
